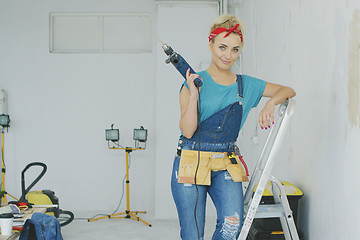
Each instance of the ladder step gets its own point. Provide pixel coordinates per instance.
(268, 211)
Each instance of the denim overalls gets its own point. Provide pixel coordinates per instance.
(218, 133)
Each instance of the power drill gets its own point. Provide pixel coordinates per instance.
(179, 63)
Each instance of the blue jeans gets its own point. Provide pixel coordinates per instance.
(226, 195)
(46, 227)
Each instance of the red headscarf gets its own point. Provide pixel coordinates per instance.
(229, 30)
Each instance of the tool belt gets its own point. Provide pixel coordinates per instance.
(210, 161)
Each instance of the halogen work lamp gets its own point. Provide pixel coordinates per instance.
(140, 135)
(5, 120)
(112, 134)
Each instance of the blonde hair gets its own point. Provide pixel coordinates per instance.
(228, 21)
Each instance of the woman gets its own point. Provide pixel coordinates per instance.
(211, 129)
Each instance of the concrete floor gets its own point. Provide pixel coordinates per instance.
(127, 229)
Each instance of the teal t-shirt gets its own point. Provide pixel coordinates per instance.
(215, 97)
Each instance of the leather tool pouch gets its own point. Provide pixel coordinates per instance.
(189, 162)
(236, 171)
(187, 168)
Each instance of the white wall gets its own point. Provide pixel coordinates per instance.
(313, 47)
(61, 104)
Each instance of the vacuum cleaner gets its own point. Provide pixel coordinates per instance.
(44, 197)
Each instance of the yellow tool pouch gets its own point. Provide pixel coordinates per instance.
(209, 161)
(187, 168)
(237, 172)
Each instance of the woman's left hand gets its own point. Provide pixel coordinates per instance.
(266, 118)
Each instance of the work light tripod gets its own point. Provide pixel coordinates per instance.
(3, 170)
(127, 214)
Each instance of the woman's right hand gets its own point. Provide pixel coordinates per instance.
(190, 77)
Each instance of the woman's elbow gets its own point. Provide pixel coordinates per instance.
(292, 93)
(188, 134)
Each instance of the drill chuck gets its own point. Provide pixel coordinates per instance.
(167, 49)
(179, 63)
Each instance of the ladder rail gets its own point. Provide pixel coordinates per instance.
(284, 112)
(287, 221)
(265, 164)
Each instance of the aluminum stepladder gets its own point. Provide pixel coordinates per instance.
(262, 174)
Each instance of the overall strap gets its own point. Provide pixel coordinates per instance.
(240, 87)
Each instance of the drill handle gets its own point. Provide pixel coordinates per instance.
(182, 66)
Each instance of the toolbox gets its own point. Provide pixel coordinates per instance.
(257, 233)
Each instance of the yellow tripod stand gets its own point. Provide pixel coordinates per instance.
(3, 170)
(127, 214)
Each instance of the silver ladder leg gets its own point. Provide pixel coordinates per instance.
(287, 221)
(263, 169)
